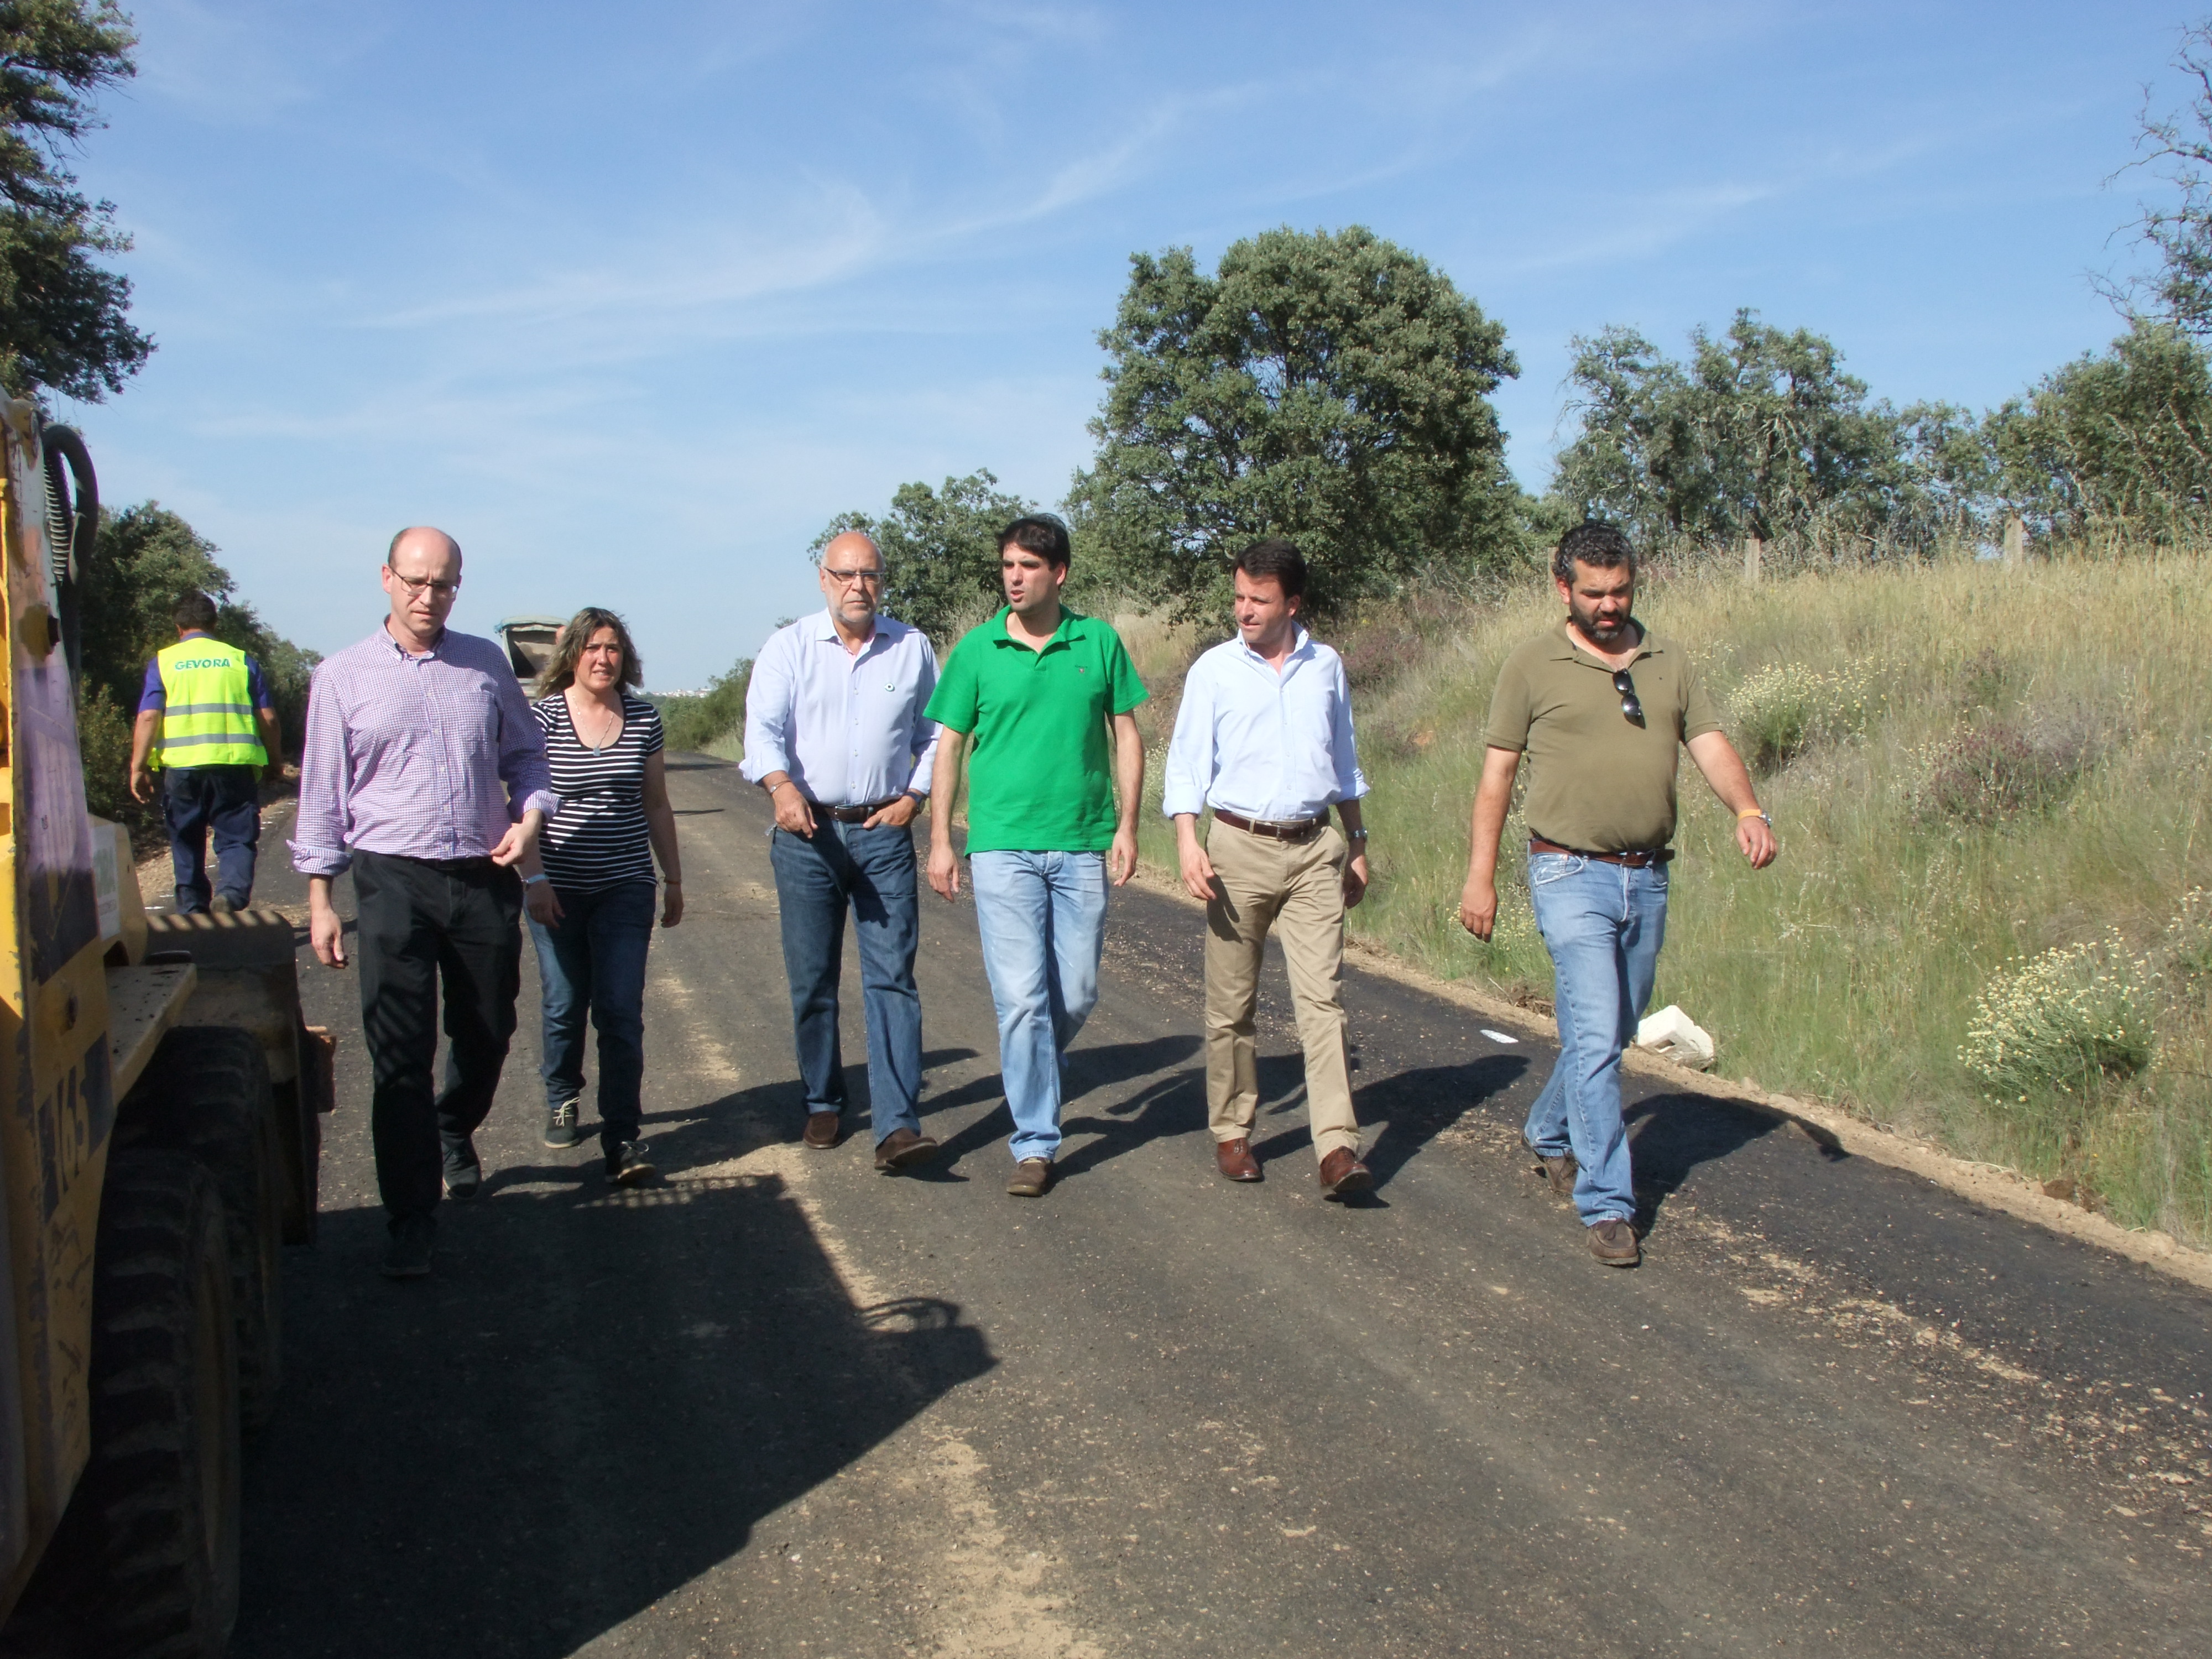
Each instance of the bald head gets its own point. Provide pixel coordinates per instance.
(852, 549)
(422, 574)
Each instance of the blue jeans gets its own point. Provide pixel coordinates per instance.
(1042, 918)
(1603, 924)
(225, 801)
(872, 873)
(592, 961)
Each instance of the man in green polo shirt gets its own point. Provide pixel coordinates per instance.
(1026, 705)
(1598, 706)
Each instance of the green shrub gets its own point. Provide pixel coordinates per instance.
(2066, 1020)
(1780, 711)
(1999, 772)
(689, 723)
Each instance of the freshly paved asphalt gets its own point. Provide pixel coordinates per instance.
(779, 1405)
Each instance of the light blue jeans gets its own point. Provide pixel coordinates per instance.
(1603, 924)
(1042, 918)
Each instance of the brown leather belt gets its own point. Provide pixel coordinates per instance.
(1638, 860)
(1303, 829)
(856, 814)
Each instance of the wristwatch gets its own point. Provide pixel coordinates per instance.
(917, 797)
(1355, 835)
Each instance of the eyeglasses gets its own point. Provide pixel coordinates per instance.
(1629, 706)
(847, 578)
(416, 584)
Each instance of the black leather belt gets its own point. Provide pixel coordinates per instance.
(1636, 861)
(857, 814)
(1301, 830)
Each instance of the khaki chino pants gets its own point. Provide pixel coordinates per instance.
(1296, 890)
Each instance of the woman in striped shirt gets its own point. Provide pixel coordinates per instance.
(593, 900)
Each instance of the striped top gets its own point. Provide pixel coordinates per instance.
(599, 840)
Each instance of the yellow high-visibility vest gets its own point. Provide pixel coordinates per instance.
(207, 715)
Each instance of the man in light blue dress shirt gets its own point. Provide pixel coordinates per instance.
(1264, 737)
(834, 734)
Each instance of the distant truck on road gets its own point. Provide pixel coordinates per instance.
(530, 641)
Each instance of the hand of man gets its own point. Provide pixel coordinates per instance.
(142, 784)
(1756, 837)
(944, 868)
(1198, 878)
(671, 903)
(897, 816)
(326, 934)
(543, 903)
(1478, 907)
(793, 812)
(1122, 857)
(517, 840)
(1355, 879)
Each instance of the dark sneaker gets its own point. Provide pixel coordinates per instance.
(1613, 1243)
(1031, 1176)
(561, 1125)
(222, 905)
(627, 1165)
(408, 1255)
(464, 1173)
(1558, 1167)
(903, 1148)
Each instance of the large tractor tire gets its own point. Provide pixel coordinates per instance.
(145, 1563)
(206, 1093)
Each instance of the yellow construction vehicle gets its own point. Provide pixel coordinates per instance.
(158, 1129)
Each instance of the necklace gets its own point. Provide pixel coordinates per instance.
(612, 737)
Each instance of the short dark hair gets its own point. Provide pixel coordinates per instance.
(1041, 534)
(1277, 558)
(193, 609)
(568, 650)
(1596, 544)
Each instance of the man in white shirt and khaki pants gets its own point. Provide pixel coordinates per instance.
(1264, 737)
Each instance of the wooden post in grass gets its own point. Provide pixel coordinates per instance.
(2015, 542)
(1752, 548)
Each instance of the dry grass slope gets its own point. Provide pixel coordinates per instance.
(1969, 768)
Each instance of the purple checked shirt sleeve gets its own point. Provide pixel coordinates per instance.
(427, 757)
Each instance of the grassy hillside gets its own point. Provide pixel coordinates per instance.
(1974, 773)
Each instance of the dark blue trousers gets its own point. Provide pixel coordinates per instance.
(226, 801)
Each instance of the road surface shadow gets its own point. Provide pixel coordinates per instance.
(593, 1402)
(1414, 1107)
(1669, 1135)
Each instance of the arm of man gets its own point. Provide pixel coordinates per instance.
(523, 768)
(1129, 788)
(272, 738)
(1725, 771)
(323, 821)
(945, 784)
(1192, 762)
(142, 732)
(1493, 799)
(921, 745)
(660, 830)
(770, 695)
(1355, 867)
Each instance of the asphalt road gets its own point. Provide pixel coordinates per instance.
(781, 1405)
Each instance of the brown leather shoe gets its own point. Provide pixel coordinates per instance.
(1235, 1160)
(1342, 1173)
(821, 1130)
(901, 1148)
(1612, 1242)
(1031, 1176)
(1560, 1169)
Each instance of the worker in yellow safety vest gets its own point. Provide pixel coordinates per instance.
(206, 721)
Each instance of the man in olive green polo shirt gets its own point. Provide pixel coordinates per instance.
(1025, 705)
(1598, 705)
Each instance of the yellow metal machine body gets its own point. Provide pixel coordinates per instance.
(58, 1112)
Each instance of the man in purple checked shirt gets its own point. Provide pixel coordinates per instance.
(424, 772)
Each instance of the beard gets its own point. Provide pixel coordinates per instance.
(1601, 631)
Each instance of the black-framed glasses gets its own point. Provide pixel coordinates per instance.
(1630, 708)
(438, 590)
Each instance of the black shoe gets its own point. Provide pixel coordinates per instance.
(628, 1166)
(561, 1125)
(464, 1174)
(408, 1255)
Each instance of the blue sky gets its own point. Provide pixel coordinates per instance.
(633, 299)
